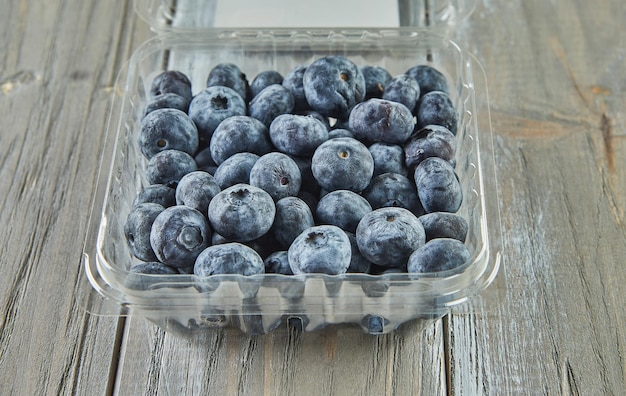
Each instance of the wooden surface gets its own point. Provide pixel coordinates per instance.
(557, 76)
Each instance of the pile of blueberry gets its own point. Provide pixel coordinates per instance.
(332, 168)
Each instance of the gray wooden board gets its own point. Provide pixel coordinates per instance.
(556, 78)
(58, 65)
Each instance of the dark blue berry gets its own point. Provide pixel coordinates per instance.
(343, 209)
(297, 134)
(264, 80)
(429, 79)
(196, 189)
(171, 81)
(228, 258)
(293, 82)
(320, 249)
(205, 162)
(444, 225)
(358, 262)
(436, 108)
(438, 186)
(229, 75)
(178, 235)
(342, 164)
(156, 193)
(293, 216)
(168, 166)
(277, 174)
(333, 85)
(393, 190)
(388, 158)
(137, 230)
(379, 120)
(278, 263)
(340, 132)
(403, 89)
(212, 106)
(137, 280)
(242, 212)
(430, 141)
(166, 101)
(167, 129)
(270, 103)
(239, 134)
(388, 236)
(376, 79)
(236, 169)
(439, 254)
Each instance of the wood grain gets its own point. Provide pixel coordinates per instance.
(58, 65)
(555, 88)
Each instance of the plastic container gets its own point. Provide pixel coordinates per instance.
(184, 304)
(438, 16)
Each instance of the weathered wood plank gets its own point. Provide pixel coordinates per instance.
(556, 80)
(58, 66)
(334, 361)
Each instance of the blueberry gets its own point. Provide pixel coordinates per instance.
(439, 254)
(157, 193)
(293, 82)
(136, 280)
(166, 101)
(403, 89)
(339, 132)
(297, 134)
(343, 209)
(171, 81)
(429, 79)
(264, 245)
(278, 263)
(277, 174)
(358, 262)
(229, 75)
(204, 160)
(388, 236)
(436, 108)
(239, 134)
(212, 106)
(342, 164)
(235, 170)
(333, 85)
(168, 166)
(242, 212)
(430, 141)
(393, 190)
(306, 174)
(379, 120)
(264, 80)
(137, 230)
(178, 235)
(167, 129)
(312, 113)
(374, 324)
(376, 79)
(293, 216)
(196, 189)
(444, 225)
(228, 258)
(388, 158)
(438, 186)
(320, 249)
(270, 103)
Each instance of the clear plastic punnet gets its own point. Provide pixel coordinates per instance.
(186, 303)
